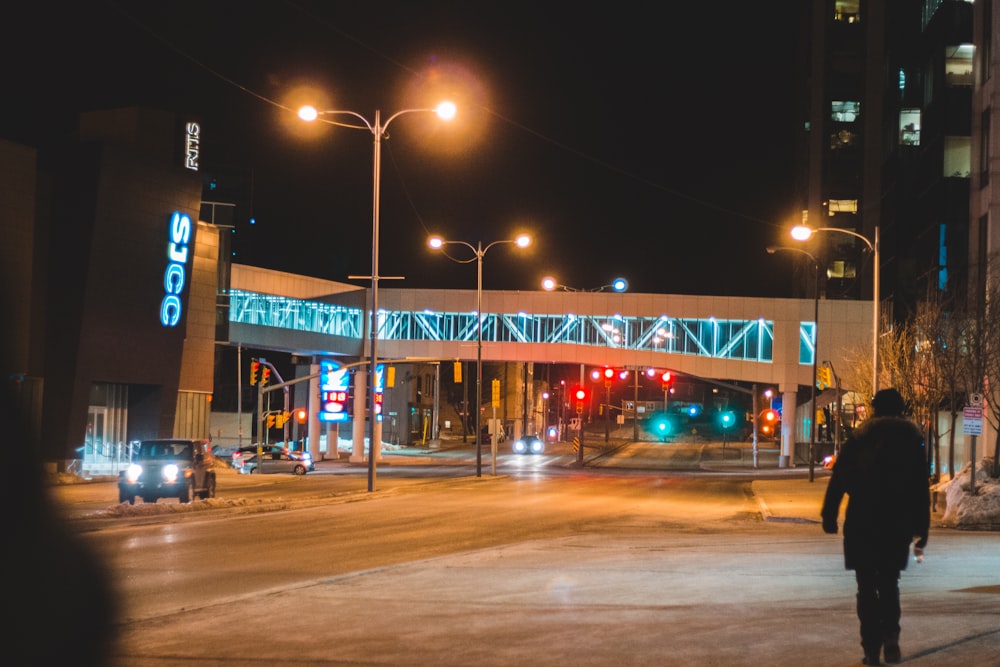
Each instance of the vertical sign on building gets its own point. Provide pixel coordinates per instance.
(175, 275)
(192, 145)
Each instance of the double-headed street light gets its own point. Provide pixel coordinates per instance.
(617, 285)
(804, 232)
(812, 420)
(445, 111)
(479, 251)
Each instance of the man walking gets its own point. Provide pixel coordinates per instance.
(883, 470)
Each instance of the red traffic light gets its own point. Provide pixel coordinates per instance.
(580, 394)
(666, 377)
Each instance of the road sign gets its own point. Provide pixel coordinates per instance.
(495, 385)
(972, 423)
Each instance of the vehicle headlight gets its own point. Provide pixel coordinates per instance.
(133, 473)
(536, 446)
(520, 447)
(170, 472)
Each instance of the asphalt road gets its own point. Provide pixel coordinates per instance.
(703, 562)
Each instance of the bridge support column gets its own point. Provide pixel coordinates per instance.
(358, 418)
(788, 402)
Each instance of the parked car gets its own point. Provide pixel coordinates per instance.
(295, 462)
(174, 468)
(529, 444)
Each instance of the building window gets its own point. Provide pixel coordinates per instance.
(841, 269)
(847, 11)
(909, 127)
(843, 139)
(844, 112)
(958, 65)
(842, 206)
(984, 148)
(957, 157)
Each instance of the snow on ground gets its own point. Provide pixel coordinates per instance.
(968, 512)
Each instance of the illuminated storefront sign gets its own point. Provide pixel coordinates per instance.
(379, 390)
(334, 385)
(192, 145)
(175, 275)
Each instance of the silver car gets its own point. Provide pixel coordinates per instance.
(297, 463)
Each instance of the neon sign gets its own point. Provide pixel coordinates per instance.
(175, 275)
(192, 145)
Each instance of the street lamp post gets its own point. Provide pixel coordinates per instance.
(804, 232)
(479, 250)
(445, 111)
(617, 285)
(812, 385)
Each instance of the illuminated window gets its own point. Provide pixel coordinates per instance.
(843, 206)
(909, 127)
(843, 139)
(958, 65)
(841, 269)
(844, 112)
(847, 11)
(957, 157)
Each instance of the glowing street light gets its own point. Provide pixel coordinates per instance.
(804, 232)
(617, 285)
(444, 111)
(479, 251)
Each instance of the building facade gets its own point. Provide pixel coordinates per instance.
(114, 281)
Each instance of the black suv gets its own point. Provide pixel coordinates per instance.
(175, 468)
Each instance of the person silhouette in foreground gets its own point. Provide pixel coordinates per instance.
(883, 470)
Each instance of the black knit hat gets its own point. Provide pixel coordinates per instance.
(888, 403)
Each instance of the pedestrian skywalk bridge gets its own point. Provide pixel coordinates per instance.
(733, 339)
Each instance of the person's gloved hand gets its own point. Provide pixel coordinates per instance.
(830, 526)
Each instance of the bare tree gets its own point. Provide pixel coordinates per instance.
(953, 365)
(988, 344)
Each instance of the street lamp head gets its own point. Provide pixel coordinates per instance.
(308, 113)
(802, 232)
(619, 284)
(549, 283)
(435, 242)
(446, 110)
(523, 241)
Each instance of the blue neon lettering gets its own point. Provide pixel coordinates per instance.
(170, 310)
(174, 277)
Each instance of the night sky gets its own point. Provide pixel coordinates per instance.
(653, 144)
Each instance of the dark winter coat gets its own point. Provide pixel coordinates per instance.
(883, 470)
